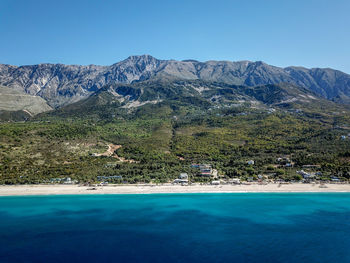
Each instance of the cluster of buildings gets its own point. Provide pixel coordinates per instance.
(205, 170)
(312, 176)
(66, 180)
(230, 181)
(183, 180)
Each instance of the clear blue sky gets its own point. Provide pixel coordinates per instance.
(311, 33)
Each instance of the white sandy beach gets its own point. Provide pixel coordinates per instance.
(18, 190)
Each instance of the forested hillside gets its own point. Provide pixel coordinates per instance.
(159, 129)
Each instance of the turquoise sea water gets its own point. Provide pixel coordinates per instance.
(176, 228)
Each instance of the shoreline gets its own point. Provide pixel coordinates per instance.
(27, 190)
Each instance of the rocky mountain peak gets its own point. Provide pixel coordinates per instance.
(62, 84)
(139, 59)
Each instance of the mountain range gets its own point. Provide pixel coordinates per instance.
(57, 85)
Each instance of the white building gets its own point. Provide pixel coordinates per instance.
(180, 181)
(234, 181)
(67, 180)
(183, 176)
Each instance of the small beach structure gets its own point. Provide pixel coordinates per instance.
(182, 179)
(234, 181)
(335, 179)
(66, 180)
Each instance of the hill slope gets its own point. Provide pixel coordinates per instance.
(189, 96)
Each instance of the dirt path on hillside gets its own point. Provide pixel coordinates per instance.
(110, 153)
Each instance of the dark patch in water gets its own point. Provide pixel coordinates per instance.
(176, 228)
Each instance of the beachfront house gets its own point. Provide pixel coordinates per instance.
(182, 179)
(67, 180)
(205, 170)
(305, 175)
(217, 182)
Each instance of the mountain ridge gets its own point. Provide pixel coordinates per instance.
(61, 84)
(199, 96)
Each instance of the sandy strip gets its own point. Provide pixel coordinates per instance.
(149, 189)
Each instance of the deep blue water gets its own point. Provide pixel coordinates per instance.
(176, 228)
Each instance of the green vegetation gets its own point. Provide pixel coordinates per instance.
(220, 128)
(164, 145)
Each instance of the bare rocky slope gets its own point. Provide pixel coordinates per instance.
(13, 100)
(63, 84)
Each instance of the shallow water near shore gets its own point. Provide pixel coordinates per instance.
(252, 227)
